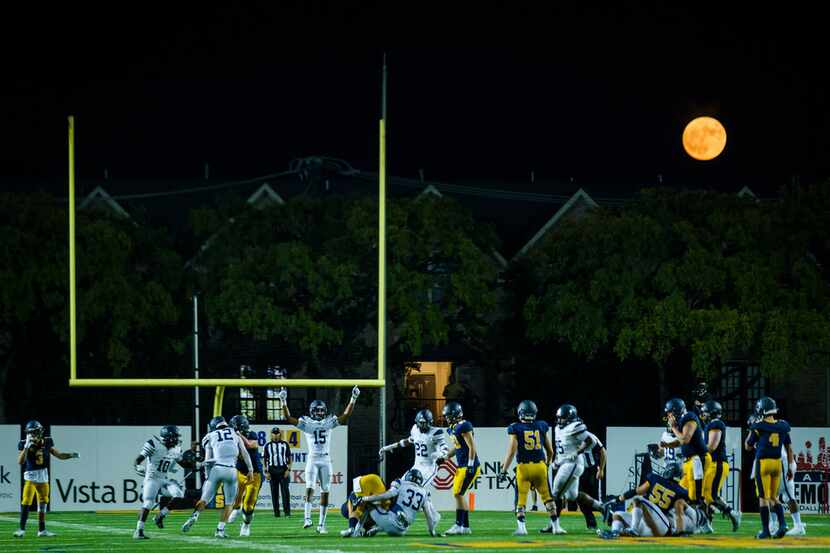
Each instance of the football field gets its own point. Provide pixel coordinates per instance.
(101, 532)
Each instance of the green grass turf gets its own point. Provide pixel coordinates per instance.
(91, 532)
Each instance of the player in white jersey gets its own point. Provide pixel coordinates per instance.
(317, 427)
(222, 447)
(161, 454)
(786, 493)
(409, 497)
(431, 449)
(571, 439)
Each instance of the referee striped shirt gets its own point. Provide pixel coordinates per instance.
(277, 454)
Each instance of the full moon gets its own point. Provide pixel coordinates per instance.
(704, 138)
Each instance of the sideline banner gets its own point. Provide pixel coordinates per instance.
(104, 477)
(9, 469)
(812, 477)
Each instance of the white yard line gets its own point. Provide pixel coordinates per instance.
(156, 536)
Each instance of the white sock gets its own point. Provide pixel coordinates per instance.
(308, 510)
(617, 526)
(636, 518)
(796, 517)
(164, 512)
(140, 525)
(220, 526)
(233, 515)
(195, 515)
(521, 525)
(323, 509)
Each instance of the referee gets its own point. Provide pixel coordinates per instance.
(591, 480)
(278, 465)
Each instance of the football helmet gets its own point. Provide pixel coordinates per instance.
(215, 422)
(527, 411)
(765, 406)
(170, 435)
(673, 471)
(189, 458)
(414, 476)
(34, 429)
(452, 412)
(240, 423)
(565, 415)
(423, 419)
(676, 407)
(711, 410)
(318, 410)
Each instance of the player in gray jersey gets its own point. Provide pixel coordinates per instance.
(223, 446)
(409, 497)
(161, 454)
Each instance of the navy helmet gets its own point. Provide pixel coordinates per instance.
(34, 429)
(215, 422)
(452, 412)
(676, 407)
(765, 406)
(318, 410)
(527, 411)
(711, 410)
(240, 423)
(565, 415)
(414, 476)
(673, 471)
(170, 435)
(423, 419)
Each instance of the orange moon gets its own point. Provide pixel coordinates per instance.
(704, 138)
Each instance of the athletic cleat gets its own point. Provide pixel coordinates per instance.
(559, 531)
(797, 530)
(321, 529)
(762, 535)
(520, 532)
(220, 534)
(45, 534)
(19, 533)
(782, 531)
(371, 532)
(347, 533)
(735, 518)
(453, 530)
(159, 520)
(188, 524)
(547, 529)
(139, 535)
(244, 530)
(608, 534)
(307, 523)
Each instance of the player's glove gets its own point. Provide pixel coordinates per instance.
(356, 501)
(355, 393)
(381, 451)
(502, 476)
(283, 395)
(28, 443)
(75, 455)
(139, 469)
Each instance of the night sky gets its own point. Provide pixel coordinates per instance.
(597, 95)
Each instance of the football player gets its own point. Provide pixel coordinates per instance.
(248, 490)
(572, 440)
(466, 459)
(430, 450)
(659, 508)
(718, 469)
(591, 480)
(767, 436)
(223, 446)
(530, 443)
(408, 496)
(35, 452)
(161, 452)
(688, 432)
(354, 510)
(316, 427)
(786, 494)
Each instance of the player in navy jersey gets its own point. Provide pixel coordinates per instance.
(35, 452)
(689, 433)
(766, 437)
(530, 443)
(248, 490)
(466, 459)
(659, 508)
(718, 469)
